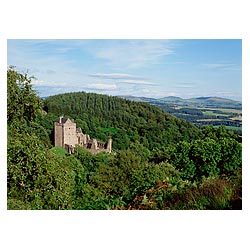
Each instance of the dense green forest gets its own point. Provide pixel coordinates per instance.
(158, 161)
(125, 121)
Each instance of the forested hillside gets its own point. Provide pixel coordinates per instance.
(158, 161)
(125, 121)
(201, 111)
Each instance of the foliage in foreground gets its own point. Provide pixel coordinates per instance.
(202, 173)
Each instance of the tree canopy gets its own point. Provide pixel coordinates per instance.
(158, 161)
(126, 121)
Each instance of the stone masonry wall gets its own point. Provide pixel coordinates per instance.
(67, 136)
(58, 134)
(69, 132)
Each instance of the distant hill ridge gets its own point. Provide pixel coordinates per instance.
(208, 101)
(174, 98)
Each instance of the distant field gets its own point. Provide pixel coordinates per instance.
(211, 113)
(209, 120)
(204, 111)
(235, 111)
(238, 111)
(237, 118)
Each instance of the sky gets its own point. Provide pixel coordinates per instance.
(145, 67)
(193, 68)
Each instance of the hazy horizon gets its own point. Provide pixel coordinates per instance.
(153, 68)
(121, 95)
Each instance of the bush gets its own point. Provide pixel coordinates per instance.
(37, 177)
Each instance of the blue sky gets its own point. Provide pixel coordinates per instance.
(151, 68)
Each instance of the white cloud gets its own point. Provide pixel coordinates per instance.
(223, 66)
(101, 86)
(139, 82)
(115, 76)
(124, 78)
(133, 53)
(50, 83)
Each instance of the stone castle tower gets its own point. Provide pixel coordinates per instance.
(67, 136)
(65, 132)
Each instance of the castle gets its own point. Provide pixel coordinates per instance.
(67, 136)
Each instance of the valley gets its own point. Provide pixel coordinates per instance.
(200, 111)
